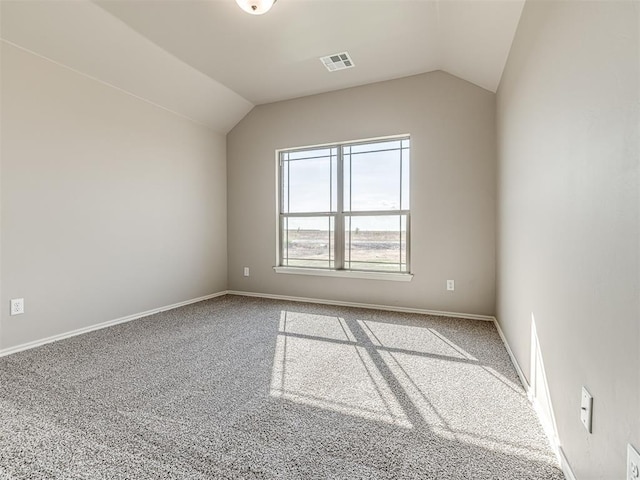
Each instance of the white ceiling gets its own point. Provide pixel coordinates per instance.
(210, 61)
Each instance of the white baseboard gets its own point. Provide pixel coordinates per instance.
(109, 323)
(547, 423)
(371, 306)
(128, 318)
(566, 468)
(523, 379)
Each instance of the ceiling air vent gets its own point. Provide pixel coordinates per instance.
(337, 61)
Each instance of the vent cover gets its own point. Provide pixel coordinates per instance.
(337, 61)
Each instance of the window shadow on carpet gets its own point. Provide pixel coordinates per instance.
(406, 374)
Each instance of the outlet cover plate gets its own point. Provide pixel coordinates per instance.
(17, 306)
(451, 285)
(633, 463)
(586, 407)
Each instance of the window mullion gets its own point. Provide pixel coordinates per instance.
(281, 240)
(408, 242)
(339, 222)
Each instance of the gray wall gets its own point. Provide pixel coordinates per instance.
(452, 127)
(110, 206)
(568, 219)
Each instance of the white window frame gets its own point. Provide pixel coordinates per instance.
(339, 215)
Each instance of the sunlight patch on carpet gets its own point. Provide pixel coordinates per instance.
(317, 362)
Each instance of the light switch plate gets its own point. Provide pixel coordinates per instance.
(633, 463)
(586, 408)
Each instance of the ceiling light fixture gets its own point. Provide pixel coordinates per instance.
(256, 7)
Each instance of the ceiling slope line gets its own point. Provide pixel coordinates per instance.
(103, 82)
(117, 55)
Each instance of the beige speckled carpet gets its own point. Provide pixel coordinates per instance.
(240, 387)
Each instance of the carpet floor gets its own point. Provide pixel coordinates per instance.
(239, 387)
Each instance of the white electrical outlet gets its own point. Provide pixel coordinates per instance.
(633, 463)
(451, 285)
(586, 408)
(246, 271)
(17, 306)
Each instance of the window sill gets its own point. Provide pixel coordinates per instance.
(395, 277)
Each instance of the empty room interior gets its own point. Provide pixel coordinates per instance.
(373, 239)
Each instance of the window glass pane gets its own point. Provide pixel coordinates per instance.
(308, 242)
(308, 184)
(374, 181)
(376, 243)
(372, 147)
(313, 153)
(404, 203)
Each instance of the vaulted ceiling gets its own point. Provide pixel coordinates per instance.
(210, 61)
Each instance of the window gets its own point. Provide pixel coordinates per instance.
(345, 207)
